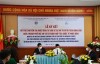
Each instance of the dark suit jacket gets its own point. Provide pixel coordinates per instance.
(38, 52)
(93, 56)
(1, 62)
(75, 61)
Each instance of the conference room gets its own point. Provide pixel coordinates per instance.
(50, 32)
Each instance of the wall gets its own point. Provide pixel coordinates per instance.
(97, 21)
(10, 22)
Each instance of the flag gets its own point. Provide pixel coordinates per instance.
(1, 33)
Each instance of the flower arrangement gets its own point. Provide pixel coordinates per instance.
(97, 45)
(50, 53)
(12, 40)
(30, 59)
(84, 59)
(63, 59)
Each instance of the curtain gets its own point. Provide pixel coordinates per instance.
(97, 21)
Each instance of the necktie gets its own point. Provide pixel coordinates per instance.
(57, 51)
(40, 51)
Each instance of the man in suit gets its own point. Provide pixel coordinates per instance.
(91, 53)
(39, 49)
(58, 50)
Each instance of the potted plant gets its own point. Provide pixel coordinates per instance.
(11, 41)
(64, 59)
(84, 59)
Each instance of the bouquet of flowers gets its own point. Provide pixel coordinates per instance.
(84, 59)
(13, 40)
(30, 59)
(50, 53)
(97, 45)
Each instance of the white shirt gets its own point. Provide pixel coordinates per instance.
(59, 51)
(89, 52)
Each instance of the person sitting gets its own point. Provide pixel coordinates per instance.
(75, 60)
(58, 50)
(14, 55)
(91, 53)
(96, 39)
(11, 61)
(5, 56)
(39, 49)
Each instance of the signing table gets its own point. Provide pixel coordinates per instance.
(42, 59)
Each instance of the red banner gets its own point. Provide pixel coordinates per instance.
(1, 34)
(46, 10)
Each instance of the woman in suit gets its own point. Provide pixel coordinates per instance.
(39, 49)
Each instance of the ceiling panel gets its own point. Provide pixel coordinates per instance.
(52, 2)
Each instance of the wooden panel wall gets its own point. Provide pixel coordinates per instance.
(97, 21)
(10, 22)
